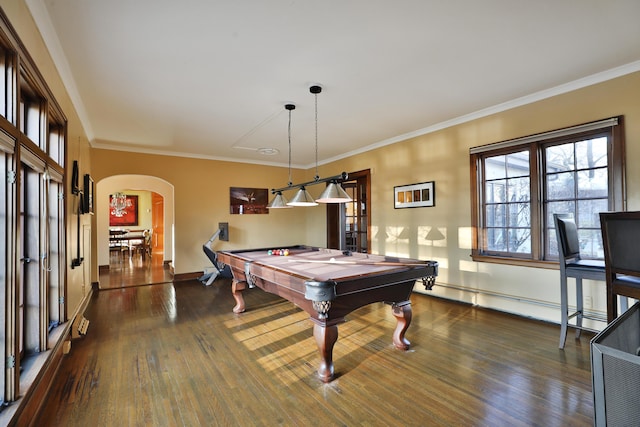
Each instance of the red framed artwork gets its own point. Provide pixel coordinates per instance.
(126, 216)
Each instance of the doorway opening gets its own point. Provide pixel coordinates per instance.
(349, 224)
(134, 238)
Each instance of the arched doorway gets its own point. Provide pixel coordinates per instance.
(135, 183)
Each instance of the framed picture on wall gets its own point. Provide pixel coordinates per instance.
(75, 187)
(245, 201)
(123, 210)
(88, 194)
(414, 195)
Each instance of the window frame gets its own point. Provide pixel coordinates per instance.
(29, 117)
(536, 144)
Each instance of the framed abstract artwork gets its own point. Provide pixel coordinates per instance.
(415, 195)
(124, 213)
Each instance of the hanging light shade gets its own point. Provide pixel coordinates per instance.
(334, 193)
(302, 198)
(278, 202)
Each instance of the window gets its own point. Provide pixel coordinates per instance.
(576, 178)
(32, 216)
(56, 141)
(54, 265)
(521, 183)
(29, 261)
(7, 83)
(508, 203)
(32, 112)
(7, 241)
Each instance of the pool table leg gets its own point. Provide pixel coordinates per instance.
(402, 311)
(326, 336)
(236, 289)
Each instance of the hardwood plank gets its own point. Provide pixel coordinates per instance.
(125, 271)
(175, 355)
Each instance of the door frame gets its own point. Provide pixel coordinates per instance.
(336, 222)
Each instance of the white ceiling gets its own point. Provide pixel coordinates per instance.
(209, 78)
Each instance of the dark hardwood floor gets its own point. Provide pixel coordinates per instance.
(134, 270)
(175, 355)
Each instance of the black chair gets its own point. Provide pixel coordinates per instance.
(621, 241)
(572, 265)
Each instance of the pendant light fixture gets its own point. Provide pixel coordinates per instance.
(302, 198)
(334, 193)
(280, 202)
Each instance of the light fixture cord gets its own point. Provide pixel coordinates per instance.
(289, 133)
(316, 120)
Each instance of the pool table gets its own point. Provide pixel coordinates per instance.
(329, 284)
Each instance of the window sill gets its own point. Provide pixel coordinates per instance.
(31, 366)
(549, 265)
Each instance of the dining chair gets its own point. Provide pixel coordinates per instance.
(621, 242)
(143, 246)
(147, 242)
(572, 265)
